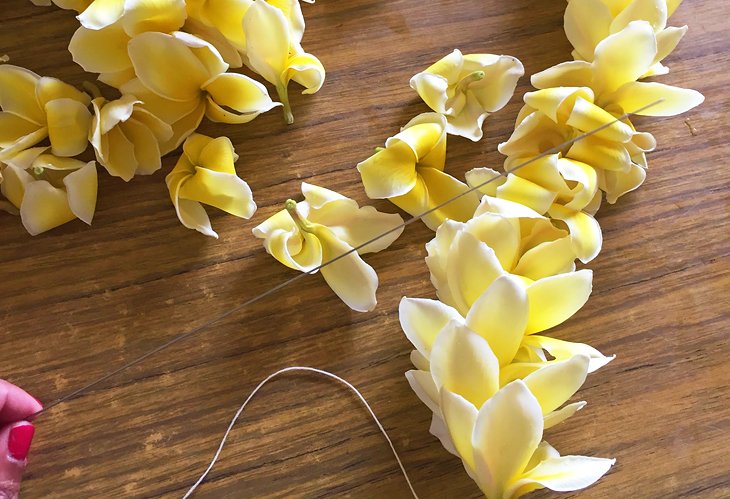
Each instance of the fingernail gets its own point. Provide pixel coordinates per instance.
(37, 400)
(19, 441)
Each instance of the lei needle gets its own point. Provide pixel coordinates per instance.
(251, 301)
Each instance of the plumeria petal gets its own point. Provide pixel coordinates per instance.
(440, 190)
(422, 320)
(463, 363)
(507, 431)
(667, 40)
(101, 13)
(567, 74)
(616, 184)
(460, 416)
(81, 187)
(353, 280)
(565, 473)
(554, 299)
(17, 93)
(306, 70)
(422, 384)
(101, 51)
(555, 383)
(472, 267)
(240, 93)
(69, 122)
(547, 259)
(390, 172)
(500, 315)
(673, 100)
(587, 22)
(584, 231)
(624, 56)
(563, 350)
(164, 16)
(167, 66)
(556, 417)
(44, 207)
(353, 224)
(652, 11)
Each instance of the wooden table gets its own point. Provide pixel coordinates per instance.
(79, 301)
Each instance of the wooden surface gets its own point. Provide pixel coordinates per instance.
(79, 301)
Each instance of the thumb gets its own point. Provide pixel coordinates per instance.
(15, 440)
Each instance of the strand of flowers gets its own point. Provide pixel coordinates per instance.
(169, 63)
(504, 266)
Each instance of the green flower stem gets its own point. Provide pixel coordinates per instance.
(283, 92)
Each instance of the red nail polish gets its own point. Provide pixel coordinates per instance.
(19, 441)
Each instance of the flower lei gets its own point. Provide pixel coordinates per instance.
(504, 266)
(502, 260)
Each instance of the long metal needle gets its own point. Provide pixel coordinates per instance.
(251, 301)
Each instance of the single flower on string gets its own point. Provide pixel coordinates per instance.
(324, 229)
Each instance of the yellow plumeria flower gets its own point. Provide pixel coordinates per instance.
(501, 315)
(49, 191)
(503, 450)
(205, 175)
(555, 115)
(100, 46)
(127, 137)
(619, 61)
(463, 363)
(273, 51)
(181, 77)
(466, 88)
(323, 227)
(567, 185)
(587, 22)
(35, 108)
(554, 185)
(409, 172)
(507, 238)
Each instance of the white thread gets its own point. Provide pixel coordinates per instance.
(304, 369)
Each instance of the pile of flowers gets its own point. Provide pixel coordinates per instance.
(164, 65)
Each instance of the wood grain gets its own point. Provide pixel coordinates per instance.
(78, 301)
